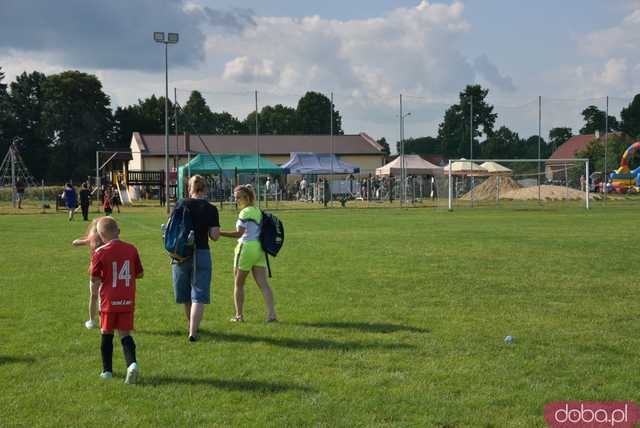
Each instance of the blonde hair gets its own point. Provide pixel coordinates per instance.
(197, 184)
(246, 191)
(92, 234)
(108, 228)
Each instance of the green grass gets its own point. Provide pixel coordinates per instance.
(388, 318)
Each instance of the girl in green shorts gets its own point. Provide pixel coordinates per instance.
(249, 255)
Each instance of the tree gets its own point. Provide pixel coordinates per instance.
(558, 136)
(146, 117)
(594, 120)
(630, 117)
(594, 151)
(198, 114)
(77, 121)
(422, 145)
(454, 132)
(27, 103)
(504, 143)
(279, 120)
(314, 113)
(6, 117)
(385, 146)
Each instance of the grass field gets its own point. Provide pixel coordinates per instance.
(388, 318)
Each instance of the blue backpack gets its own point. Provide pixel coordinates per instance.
(179, 233)
(271, 236)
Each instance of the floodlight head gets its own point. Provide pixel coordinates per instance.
(158, 36)
(172, 38)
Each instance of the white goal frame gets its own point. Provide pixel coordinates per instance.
(449, 173)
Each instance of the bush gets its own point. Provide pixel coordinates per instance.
(33, 193)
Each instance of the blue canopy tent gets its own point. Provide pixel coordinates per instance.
(226, 165)
(318, 164)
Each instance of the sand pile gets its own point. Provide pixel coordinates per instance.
(548, 192)
(488, 188)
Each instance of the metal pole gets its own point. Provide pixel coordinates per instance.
(257, 152)
(166, 127)
(13, 175)
(450, 188)
(539, 140)
(98, 180)
(471, 143)
(401, 156)
(606, 149)
(587, 193)
(175, 124)
(332, 151)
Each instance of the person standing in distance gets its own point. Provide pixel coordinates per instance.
(20, 192)
(192, 278)
(70, 199)
(85, 197)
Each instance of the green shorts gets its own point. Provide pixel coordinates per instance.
(249, 254)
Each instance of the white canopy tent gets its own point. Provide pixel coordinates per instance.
(465, 167)
(494, 168)
(413, 164)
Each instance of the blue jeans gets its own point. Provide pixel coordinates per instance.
(193, 285)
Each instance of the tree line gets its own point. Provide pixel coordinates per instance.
(60, 120)
(454, 138)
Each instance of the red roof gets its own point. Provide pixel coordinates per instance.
(577, 143)
(358, 144)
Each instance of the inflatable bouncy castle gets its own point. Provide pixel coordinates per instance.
(624, 180)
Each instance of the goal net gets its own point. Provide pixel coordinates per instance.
(518, 183)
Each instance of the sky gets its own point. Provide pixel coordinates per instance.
(571, 53)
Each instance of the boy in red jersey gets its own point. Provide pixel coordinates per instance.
(115, 266)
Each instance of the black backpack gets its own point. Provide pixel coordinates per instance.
(271, 236)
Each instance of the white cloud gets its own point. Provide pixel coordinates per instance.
(409, 49)
(613, 55)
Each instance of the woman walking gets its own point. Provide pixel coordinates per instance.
(249, 255)
(192, 278)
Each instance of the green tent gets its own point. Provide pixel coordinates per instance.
(226, 165)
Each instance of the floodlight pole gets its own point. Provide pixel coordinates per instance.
(161, 37)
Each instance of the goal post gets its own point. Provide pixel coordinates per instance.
(519, 182)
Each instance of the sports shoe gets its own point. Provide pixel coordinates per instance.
(132, 374)
(237, 319)
(91, 324)
(193, 338)
(106, 375)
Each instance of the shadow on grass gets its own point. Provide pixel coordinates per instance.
(308, 344)
(367, 327)
(7, 359)
(227, 384)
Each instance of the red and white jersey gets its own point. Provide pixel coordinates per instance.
(117, 264)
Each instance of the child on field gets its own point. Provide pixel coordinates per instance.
(106, 202)
(115, 266)
(93, 241)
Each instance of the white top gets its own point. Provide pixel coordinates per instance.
(249, 219)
